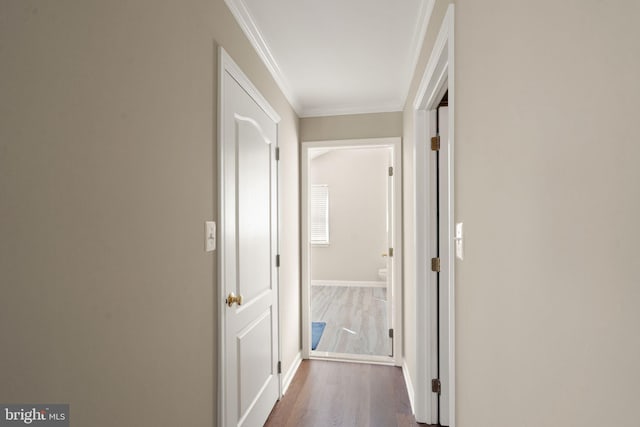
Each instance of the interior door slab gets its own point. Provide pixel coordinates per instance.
(249, 242)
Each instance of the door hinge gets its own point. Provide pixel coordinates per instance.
(277, 153)
(390, 252)
(390, 333)
(435, 143)
(278, 260)
(435, 264)
(436, 386)
(390, 170)
(279, 367)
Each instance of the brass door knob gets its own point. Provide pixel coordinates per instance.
(384, 255)
(232, 298)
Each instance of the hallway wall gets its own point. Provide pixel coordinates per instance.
(107, 173)
(352, 126)
(546, 174)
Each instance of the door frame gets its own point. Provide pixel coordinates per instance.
(227, 65)
(436, 80)
(396, 322)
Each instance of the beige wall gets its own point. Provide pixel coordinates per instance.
(547, 185)
(354, 126)
(357, 181)
(107, 173)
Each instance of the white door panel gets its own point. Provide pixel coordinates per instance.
(255, 360)
(248, 251)
(445, 244)
(254, 204)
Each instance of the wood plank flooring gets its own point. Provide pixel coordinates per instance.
(324, 394)
(356, 319)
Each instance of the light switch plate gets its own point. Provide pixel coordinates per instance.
(459, 238)
(210, 236)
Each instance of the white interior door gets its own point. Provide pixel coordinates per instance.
(249, 248)
(444, 251)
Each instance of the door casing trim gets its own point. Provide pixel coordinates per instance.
(396, 144)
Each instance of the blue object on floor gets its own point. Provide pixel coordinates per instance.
(317, 328)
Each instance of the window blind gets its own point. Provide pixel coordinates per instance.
(320, 214)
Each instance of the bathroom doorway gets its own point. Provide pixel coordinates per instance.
(351, 248)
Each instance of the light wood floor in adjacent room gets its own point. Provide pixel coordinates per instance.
(356, 319)
(339, 394)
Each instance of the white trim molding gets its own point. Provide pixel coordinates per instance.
(351, 110)
(426, 9)
(349, 283)
(291, 372)
(438, 78)
(353, 358)
(240, 11)
(409, 384)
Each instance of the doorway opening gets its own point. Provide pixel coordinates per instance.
(351, 250)
(434, 228)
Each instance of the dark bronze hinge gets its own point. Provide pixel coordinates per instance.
(277, 153)
(435, 264)
(390, 252)
(390, 333)
(436, 387)
(278, 260)
(279, 367)
(390, 170)
(435, 143)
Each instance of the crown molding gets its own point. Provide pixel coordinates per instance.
(420, 31)
(241, 13)
(351, 110)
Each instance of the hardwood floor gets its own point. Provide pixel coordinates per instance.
(324, 394)
(356, 319)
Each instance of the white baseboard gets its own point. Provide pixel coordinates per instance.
(288, 376)
(409, 384)
(349, 283)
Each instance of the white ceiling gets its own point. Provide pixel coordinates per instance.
(337, 56)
